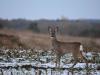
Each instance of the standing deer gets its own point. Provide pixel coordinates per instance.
(61, 48)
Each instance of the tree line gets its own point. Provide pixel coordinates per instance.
(85, 28)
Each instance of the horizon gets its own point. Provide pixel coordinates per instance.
(50, 9)
(46, 19)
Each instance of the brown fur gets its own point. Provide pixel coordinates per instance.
(65, 47)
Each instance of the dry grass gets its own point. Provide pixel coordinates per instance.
(33, 40)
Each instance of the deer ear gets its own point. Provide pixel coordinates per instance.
(49, 28)
(56, 28)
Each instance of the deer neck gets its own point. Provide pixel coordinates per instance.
(54, 41)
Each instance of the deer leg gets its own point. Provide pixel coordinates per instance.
(58, 61)
(75, 59)
(58, 57)
(74, 63)
(86, 61)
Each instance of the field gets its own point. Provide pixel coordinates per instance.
(35, 55)
(40, 62)
(43, 41)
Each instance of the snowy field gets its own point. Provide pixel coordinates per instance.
(35, 68)
(42, 72)
(25, 62)
(46, 69)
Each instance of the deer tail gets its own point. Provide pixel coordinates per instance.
(81, 47)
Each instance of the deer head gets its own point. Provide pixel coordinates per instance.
(52, 31)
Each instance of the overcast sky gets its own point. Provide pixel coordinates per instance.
(50, 9)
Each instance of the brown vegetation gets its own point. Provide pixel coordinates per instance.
(42, 41)
(9, 41)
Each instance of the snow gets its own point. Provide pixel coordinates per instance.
(49, 67)
(32, 71)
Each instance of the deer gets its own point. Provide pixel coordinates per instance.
(76, 48)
